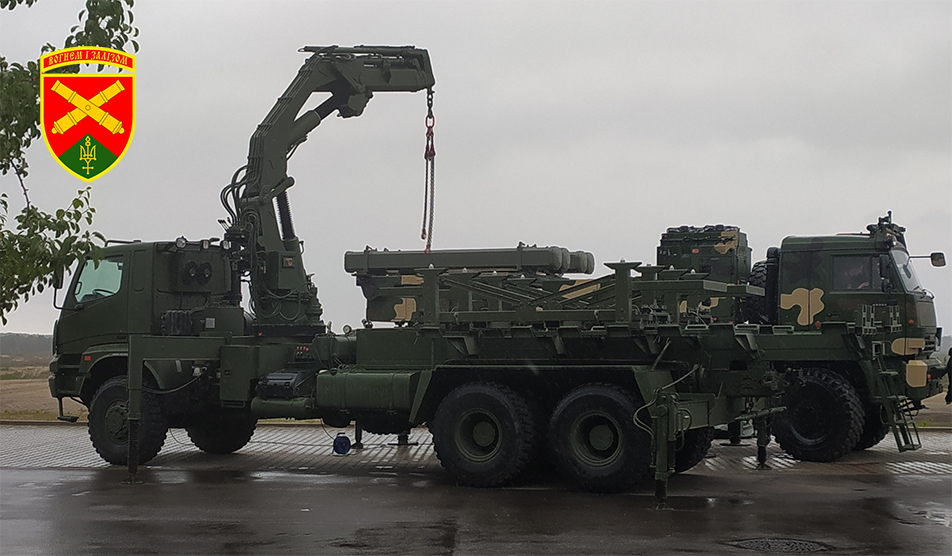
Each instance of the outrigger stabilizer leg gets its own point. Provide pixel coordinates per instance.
(134, 414)
(762, 425)
(663, 411)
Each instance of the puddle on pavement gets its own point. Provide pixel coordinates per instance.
(699, 503)
(403, 538)
(781, 546)
(931, 513)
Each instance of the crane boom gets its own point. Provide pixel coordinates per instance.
(262, 238)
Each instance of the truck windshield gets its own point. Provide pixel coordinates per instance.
(96, 282)
(907, 273)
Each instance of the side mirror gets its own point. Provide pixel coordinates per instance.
(58, 277)
(937, 258)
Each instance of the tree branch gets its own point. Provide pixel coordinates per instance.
(22, 185)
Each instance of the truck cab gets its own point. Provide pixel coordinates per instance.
(831, 279)
(178, 288)
(865, 279)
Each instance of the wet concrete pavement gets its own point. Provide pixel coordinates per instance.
(286, 494)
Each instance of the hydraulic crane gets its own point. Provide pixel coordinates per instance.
(261, 232)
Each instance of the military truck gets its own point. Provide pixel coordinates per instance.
(505, 356)
(841, 403)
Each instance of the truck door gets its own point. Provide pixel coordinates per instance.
(95, 308)
(800, 299)
(854, 282)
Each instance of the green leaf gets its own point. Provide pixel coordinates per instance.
(38, 244)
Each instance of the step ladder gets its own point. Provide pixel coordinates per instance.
(899, 411)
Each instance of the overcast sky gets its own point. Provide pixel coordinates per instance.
(589, 125)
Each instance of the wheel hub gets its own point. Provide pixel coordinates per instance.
(596, 439)
(484, 434)
(477, 435)
(116, 422)
(601, 437)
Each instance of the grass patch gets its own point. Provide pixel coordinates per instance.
(24, 373)
(16, 367)
(8, 362)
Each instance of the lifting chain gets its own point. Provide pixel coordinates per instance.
(430, 182)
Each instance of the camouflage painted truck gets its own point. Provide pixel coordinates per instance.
(506, 359)
(861, 286)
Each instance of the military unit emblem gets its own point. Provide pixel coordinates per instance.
(87, 118)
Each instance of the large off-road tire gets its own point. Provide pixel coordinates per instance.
(484, 434)
(696, 444)
(823, 419)
(595, 442)
(755, 307)
(875, 427)
(541, 466)
(109, 423)
(222, 432)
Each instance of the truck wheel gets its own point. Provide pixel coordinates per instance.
(484, 434)
(823, 419)
(109, 423)
(696, 444)
(594, 440)
(875, 427)
(222, 432)
(756, 307)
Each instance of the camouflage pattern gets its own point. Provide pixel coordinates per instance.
(390, 282)
(855, 278)
(670, 337)
(720, 252)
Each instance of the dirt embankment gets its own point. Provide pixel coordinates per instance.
(25, 392)
(29, 399)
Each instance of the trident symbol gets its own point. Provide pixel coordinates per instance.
(87, 154)
(88, 108)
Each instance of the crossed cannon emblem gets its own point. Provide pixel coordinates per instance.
(89, 108)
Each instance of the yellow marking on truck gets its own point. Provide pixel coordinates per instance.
(907, 346)
(404, 310)
(702, 306)
(729, 240)
(580, 292)
(809, 302)
(916, 373)
(410, 280)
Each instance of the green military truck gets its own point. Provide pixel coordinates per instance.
(505, 356)
(841, 402)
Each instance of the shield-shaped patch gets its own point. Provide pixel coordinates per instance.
(87, 118)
